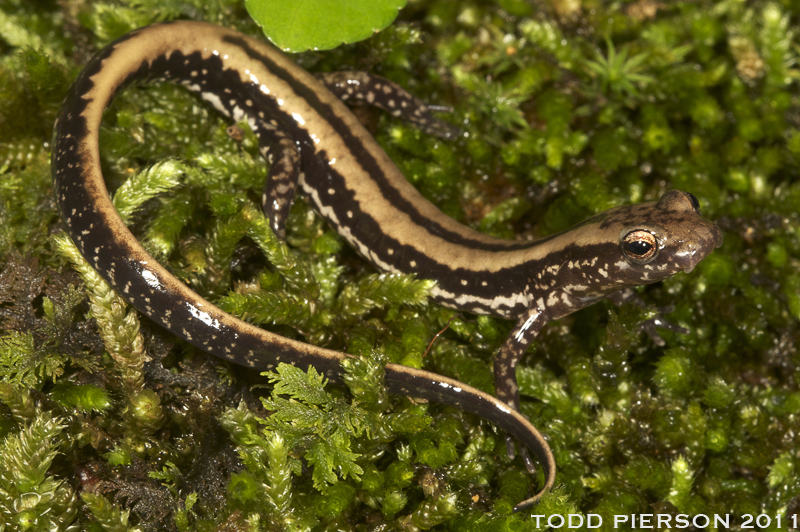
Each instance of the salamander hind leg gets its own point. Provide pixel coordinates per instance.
(387, 95)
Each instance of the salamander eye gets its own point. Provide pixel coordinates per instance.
(639, 246)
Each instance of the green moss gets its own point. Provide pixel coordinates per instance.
(85, 397)
(107, 515)
(612, 149)
(560, 120)
(32, 498)
(674, 374)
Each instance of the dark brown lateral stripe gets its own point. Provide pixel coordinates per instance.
(356, 146)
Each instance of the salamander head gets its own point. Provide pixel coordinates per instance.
(634, 245)
(669, 237)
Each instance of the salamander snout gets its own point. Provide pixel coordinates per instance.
(695, 236)
(703, 242)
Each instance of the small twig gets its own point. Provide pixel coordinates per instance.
(457, 315)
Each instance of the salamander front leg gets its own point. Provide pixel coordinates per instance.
(389, 96)
(276, 200)
(505, 364)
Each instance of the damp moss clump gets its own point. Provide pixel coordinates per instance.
(564, 109)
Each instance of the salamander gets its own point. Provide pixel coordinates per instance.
(324, 150)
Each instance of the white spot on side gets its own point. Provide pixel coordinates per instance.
(151, 279)
(203, 316)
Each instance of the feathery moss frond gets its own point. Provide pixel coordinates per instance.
(145, 185)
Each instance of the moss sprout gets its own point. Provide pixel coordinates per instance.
(108, 516)
(32, 499)
(119, 325)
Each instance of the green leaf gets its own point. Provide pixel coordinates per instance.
(321, 24)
